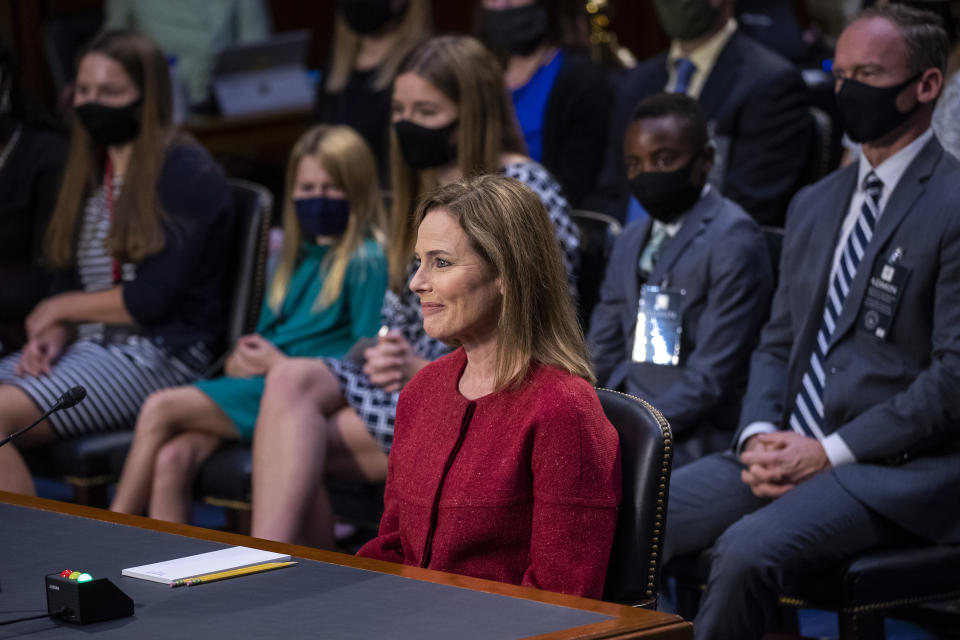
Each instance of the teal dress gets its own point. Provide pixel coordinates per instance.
(301, 330)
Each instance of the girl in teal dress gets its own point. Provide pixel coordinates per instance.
(324, 297)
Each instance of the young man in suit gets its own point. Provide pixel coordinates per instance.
(705, 254)
(849, 434)
(756, 103)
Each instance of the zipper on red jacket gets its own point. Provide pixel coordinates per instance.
(435, 509)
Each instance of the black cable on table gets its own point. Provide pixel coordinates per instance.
(58, 614)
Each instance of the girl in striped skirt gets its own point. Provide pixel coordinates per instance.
(138, 239)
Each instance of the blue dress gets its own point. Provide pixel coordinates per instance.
(300, 329)
(530, 104)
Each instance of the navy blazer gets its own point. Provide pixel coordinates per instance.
(575, 125)
(758, 109)
(720, 260)
(894, 402)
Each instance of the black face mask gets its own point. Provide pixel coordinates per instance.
(368, 16)
(323, 216)
(424, 148)
(109, 126)
(869, 113)
(518, 30)
(666, 194)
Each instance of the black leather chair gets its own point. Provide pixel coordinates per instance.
(91, 463)
(597, 231)
(863, 591)
(823, 156)
(646, 451)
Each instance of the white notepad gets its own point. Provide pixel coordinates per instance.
(202, 564)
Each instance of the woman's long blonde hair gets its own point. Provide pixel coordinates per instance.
(463, 70)
(414, 27)
(507, 224)
(137, 228)
(347, 159)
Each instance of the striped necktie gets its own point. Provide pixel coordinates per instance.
(807, 416)
(685, 69)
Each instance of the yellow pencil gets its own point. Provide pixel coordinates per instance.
(232, 573)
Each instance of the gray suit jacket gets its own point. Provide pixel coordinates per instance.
(895, 402)
(719, 258)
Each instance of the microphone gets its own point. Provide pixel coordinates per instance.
(69, 398)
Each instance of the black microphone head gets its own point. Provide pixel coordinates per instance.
(72, 396)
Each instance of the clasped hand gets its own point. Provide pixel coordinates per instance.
(253, 356)
(391, 363)
(776, 462)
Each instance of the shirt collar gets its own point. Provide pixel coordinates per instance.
(704, 56)
(892, 169)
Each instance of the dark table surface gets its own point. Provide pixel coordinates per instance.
(310, 599)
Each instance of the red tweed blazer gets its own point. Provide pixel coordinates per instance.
(518, 486)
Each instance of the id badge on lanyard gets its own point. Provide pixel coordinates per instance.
(659, 326)
(108, 192)
(883, 296)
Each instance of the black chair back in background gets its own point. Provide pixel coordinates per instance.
(646, 452)
(597, 232)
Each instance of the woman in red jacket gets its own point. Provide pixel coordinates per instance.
(503, 465)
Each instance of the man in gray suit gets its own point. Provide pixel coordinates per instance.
(702, 251)
(850, 429)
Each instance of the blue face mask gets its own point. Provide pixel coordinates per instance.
(322, 216)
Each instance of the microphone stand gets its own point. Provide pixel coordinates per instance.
(17, 434)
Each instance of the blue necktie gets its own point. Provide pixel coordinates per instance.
(685, 70)
(807, 416)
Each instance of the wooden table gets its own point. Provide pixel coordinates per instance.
(343, 596)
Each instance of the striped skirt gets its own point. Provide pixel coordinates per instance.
(118, 378)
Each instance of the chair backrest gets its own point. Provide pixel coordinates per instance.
(820, 161)
(597, 231)
(646, 452)
(253, 205)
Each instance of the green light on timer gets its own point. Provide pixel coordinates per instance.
(84, 577)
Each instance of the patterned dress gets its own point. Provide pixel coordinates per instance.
(377, 407)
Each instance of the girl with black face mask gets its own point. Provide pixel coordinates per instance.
(370, 38)
(138, 237)
(563, 101)
(324, 296)
(451, 118)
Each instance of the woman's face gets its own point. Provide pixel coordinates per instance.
(418, 101)
(459, 293)
(102, 79)
(312, 181)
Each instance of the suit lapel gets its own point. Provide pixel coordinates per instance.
(722, 76)
(902, 200)
(694, 223)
